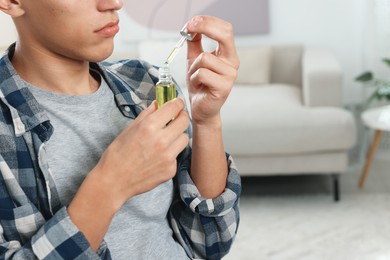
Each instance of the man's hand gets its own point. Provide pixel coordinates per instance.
(210, 75)
(139, 159)
(144, 154)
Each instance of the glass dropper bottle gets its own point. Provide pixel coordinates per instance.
(165, 87)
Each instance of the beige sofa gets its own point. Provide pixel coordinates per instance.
(284, 115)
(294, 123)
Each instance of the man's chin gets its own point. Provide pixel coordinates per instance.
(100, 56)
(99, 59)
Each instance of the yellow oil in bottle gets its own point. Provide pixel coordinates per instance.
(165, 91)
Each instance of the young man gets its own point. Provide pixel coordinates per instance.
(89, 168)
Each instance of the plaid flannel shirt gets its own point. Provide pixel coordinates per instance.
(34, 224)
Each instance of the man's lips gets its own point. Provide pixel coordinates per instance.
(109, 29)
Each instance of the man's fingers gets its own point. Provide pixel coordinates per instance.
(180, 143)
(204, 78)
(148, 111)
(179, 125)
(168, 111)
(213, 63)
(218, 30)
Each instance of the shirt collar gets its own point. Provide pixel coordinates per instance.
(127, 101)
(26, 113)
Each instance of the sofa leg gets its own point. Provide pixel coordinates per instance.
(336, 187)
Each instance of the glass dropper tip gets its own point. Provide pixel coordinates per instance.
(175, 50)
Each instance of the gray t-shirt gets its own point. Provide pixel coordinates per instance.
(84, 125)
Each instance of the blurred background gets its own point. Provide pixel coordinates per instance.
(314, 166)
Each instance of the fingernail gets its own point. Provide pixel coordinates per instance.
(192, 23)
(195, 20)
(152, 104)
(198, 18)
(184, 32)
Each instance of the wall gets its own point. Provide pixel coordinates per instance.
(378, 37)
(7, 30)
(337, 25)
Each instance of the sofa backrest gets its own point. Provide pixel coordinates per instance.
(286, 64)
(264, 64)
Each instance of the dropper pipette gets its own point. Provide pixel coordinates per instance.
(184, 36)
(175, 50)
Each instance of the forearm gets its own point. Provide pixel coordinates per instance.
(209, 167)
(92, 209)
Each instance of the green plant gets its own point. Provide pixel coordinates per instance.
(382, 86)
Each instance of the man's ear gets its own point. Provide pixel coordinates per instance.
(12, 7)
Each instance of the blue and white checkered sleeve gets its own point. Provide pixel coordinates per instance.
(206, 228)
(58, 238)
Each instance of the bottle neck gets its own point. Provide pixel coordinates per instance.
(165, 74)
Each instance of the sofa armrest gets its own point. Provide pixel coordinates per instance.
(322, 79)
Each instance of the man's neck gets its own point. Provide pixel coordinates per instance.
(53, 72)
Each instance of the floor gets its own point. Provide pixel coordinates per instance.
(295, 217)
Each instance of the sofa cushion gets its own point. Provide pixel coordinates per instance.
(286, 64)
(254, 58)
(271, 120)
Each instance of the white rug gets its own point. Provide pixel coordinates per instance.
(313, 228)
